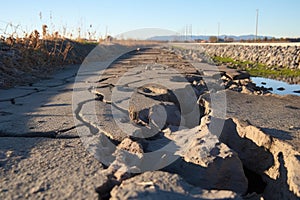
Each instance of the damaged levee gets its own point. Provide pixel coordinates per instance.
(274, 160)
(174, 115)
(244, 159)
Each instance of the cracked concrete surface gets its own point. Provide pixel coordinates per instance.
(42, 156)
(41, 168)
(42, 108)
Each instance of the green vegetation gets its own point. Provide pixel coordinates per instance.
(257, 69)
(261, 70)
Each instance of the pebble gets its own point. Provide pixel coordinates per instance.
(9, 153)
(36, 189)
(281, 88)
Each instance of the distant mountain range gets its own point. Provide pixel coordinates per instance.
(204, 37)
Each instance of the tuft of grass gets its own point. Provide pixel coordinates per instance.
(220, 59)
(234, 63)
(263, 71)
(258, 69)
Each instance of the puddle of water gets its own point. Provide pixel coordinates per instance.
(288, 88)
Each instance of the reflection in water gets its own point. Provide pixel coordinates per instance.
(277, 86)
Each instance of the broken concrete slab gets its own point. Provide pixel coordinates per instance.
(164, 114)
(274, 114)
(274, 159)
(233, 73)
(163, 185)
(205, 161)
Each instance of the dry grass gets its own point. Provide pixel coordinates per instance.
(29, 58)
(35, 56)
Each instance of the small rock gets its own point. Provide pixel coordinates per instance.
(242, 75)
(9, 153)
(4, 190)
(205, 161)
(37, 189)
(296, 91)
(291, 127)
(131, 146)
(246, 90)
(281, 88)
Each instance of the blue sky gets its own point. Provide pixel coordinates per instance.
(236, 17)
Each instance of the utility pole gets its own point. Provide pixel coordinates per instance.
(218, 31)
(191, 31)
(106, 32)
(186, 32)
(256, 30)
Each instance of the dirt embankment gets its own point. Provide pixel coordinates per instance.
(25, 60)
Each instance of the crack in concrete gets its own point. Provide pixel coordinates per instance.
(36, 90)
(49, 134)
(93, 129)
